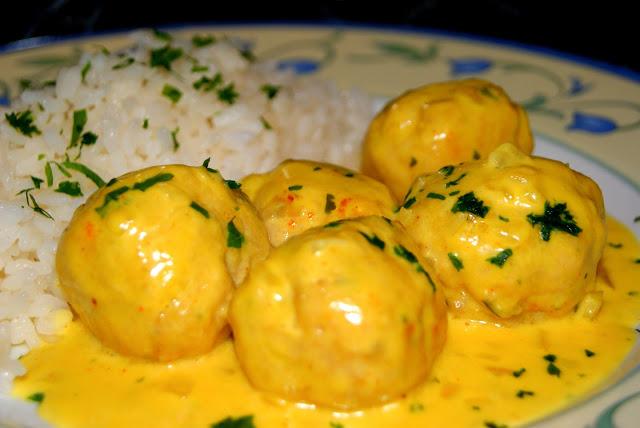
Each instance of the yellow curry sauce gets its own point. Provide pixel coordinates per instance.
(486, 375)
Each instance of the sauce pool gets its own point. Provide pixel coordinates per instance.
(487, 376)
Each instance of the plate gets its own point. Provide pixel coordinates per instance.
(582, 112)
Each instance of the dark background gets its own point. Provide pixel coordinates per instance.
(604, 30)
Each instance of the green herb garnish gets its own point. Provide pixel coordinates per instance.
(240, 422)
(232, 184)
(205, 164)
(152, 181)
(163, 57)
(228, 94)
(555, 217)
(469, 203)
(33, 204)
(501, 257)
(335, 223)
(145, 123)
(112, 196)
(476, 155)
(489, 424)
(373, 240)
(446, 170)
(84, 170)
(207, 84)
(270, 90)
(416, 407)
(200, 209)
(295, 187)
(37, 397)
(174, 139)
(519, 372)
(196, 68)
(409, 202)
(36, 182)
(23, 123)
(123, 64)
(349, 174)
(455, 192)
(201, 41)
(505, 219)
(79, 121)
(403, 252)
(456, 262)
(266, 124)
(71, 188)
(589, 353)
(456, 181)
(171, 92)
(329, 204)
(523, 393)
(413, 162)
(234, 237)
(616, 245)
(432, 195)
(162, 35)
(85, 70)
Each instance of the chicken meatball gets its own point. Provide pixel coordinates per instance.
(148, 263)
(345, 316)
(441, 124)
(513, 237)
(298, 195)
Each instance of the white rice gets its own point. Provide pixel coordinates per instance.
(310, 118)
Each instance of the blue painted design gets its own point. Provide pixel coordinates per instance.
(5, 101)
(299, 65)
(578, 87)
(605, 419)
(591, 123)
(469, 66)
(5, 94)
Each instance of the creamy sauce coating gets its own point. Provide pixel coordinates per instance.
(478, 379)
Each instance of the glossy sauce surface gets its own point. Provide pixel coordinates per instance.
(477, 380)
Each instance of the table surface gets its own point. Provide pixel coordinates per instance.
(602, 31)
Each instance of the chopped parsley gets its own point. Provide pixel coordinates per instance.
(85, 70)
(416, 407)
(476, 155)
(616, 245)
(79, 121)
(413, 162)
(240, 422)
(523, 393)
(349, 174)
(550, 358)
(205, 164)
(432, 195)
(48, 173)
(552, 369)
(36, 181)
(487, 92)
(123, 64)
(455, 192)
(456, 181)
(409, 202)
(232, 184)
(145, 123)
(589, 353)
(163, 57)
(196, 68)
(446, 170)
(200, 209)
(162, 35)
(37, 397)
(489, 424)
(519, 372)
(86, 171)
(174, 139)
(500, 259)
(71, 188)
(373, 240)
(234, 237)
(317, 168)
(228, 94)
(505, 219)
(329, 204)
(404, 253)
(23, 123)
(636, 219)
(335, 425)
(333, 224)
(152, 181)
(456, 262)
(266, 124)
(201, 41)
(208, 84)
(270, 90)
(112, 196)
(171, 92)
(470, 204)
(33, 204)
(555, 217)
(295, 187)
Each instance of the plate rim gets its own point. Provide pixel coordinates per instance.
(599, 65)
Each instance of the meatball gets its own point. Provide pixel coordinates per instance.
(513, 237)
(298, 195)
(441, 124)
(148, 263)
(344, 316)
